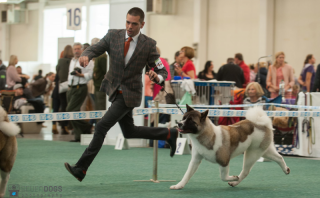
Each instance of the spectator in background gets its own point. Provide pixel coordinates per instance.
(156, 87)
(263, 72)
(19, 70)
(238, 59)
(316, 86)
(148, 90)
(252, 73)
(306, 78)
(37, 77)
(277, 72)
(3, 71)
(19, 97)
(188, 69)
(78, 91)
(254, 94)
(99, 70)
(231, 72)
(1, 63)
(12, 74)
(176, 60)
(43, 85)
(207, 73)
(55, 103)
(63, 73)
(85, 46)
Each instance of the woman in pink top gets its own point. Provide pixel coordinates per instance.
(277, 72)
(12, 74)
(156, 87)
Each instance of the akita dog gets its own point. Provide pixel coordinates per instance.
(8, 148)
(219, 144)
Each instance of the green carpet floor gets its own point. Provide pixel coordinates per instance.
(40, 163)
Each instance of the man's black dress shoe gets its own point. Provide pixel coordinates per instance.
(74, 140)
(76, 171)
(172, 141)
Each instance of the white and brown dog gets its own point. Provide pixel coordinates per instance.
(8, 148)
(219, 144)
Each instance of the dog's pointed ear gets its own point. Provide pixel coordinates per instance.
(189, 108)
(204, 116)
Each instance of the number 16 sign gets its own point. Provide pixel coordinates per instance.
(74, 16)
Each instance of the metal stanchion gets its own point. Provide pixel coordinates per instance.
(155, 153)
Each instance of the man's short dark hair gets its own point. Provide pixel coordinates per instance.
(137, 12)
(19, 67)
(230, 60)
(176, 54)
(239, 56)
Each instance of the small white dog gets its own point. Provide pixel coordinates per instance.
(219, 144)
(8, 149)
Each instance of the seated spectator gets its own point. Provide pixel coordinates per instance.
(37, 77)
(253, 92)
(280, 71)
(19, 70)
(238, 60)
(12, 76)
(43, 85)
(188, 69)
(3, 71)
(207, 73)
(231, 72)
(176, 60)
(19, 97)
(306, 78)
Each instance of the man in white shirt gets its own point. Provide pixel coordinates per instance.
(78, 90)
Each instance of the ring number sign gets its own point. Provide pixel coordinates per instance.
(74, 16)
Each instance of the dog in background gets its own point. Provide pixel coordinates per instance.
(8, 148)
(219, 144)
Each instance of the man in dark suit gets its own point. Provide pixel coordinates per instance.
(129, 52)
(231, 72)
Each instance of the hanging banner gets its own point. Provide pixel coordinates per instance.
(74, 16)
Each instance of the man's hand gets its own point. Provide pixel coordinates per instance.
(79, 74)
(84, 61)
(153, 76)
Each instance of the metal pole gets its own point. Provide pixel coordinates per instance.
(155, 146)
(155, 153)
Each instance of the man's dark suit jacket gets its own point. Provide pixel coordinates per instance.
(231, 72)
(127, 76)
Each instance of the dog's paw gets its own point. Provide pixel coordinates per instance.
(176, 187)
(288, 171)
(231, 178)
(233, 184)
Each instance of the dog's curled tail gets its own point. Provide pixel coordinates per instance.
(259, 117)
(9, 128)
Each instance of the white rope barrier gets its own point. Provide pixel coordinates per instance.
(82, 115)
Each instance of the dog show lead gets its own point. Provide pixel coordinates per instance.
(129, 51)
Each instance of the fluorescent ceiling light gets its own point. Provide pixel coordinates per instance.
(3, 1)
